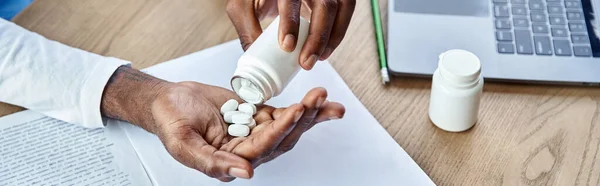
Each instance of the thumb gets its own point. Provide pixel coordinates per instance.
(243, 16)
(289, 24)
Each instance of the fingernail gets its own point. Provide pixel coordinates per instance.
(310, 61)
(320, 102)
(334, 118)
(288, 43)
(239, 173)
(326, 54)
(298, 115)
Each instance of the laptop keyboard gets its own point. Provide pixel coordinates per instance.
(541, 27)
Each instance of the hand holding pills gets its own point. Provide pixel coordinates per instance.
(192, 120)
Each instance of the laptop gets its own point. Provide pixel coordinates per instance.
(539, 41)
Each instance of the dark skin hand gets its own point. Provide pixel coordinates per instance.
(186, 117)
(329, 22)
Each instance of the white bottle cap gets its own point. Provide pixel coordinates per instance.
(460, 67)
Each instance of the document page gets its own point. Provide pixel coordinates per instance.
(38, 150)
(354, 151)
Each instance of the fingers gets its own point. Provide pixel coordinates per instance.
(229, 146)
(278, 112)
(330, 111)
(322, 20)
(214, 163)
(311, 98)
(263, 114)
(261, 143)
(340, 26)
(289, 22)
(314, 98)
(317, 111)
(311, 102)
(226, 179)
(243, 17)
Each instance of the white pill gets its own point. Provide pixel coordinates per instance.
(245, 82)
(238, 130)
(247, 108)
(241, 118)
(230, 105)
(250, 94)
(228, 116)
(252, 124)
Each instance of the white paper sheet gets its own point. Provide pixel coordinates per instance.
(354, 151)
(38, 150)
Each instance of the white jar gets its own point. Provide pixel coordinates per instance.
(266, 66)
(456, 91)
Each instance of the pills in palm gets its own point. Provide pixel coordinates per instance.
(238, 130)
(228, 116)
(252, 124)
(230, 105)
(247, 108)
(239, 116)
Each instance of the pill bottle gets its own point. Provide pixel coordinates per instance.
(265, 67)
(456, 91)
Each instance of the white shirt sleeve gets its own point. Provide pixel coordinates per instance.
(54, 79)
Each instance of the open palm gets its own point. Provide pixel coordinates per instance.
(188, 122)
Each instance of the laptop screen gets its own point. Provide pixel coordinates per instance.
(592, 20)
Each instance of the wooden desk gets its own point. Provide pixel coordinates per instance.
(527, 135)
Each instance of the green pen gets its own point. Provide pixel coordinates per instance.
(380, 42)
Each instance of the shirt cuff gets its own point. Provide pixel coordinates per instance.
(91, 95)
